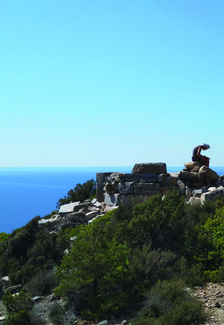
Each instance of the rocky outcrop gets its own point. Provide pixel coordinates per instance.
(74, 214)
(196, 182)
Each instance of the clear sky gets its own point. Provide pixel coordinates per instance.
(110, 82)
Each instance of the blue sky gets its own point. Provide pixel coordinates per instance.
(110, 83)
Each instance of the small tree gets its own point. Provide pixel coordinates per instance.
(81, 193)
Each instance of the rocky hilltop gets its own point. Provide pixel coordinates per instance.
(196, 182)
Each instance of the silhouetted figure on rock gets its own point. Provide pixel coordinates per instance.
(196, 156)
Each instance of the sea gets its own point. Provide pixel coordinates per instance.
(29, 192)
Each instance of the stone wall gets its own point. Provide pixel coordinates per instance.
(196, 182)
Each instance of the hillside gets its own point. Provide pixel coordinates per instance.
(145, 262)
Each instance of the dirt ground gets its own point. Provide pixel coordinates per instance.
(212, 295)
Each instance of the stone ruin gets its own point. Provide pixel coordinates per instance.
(196, 182)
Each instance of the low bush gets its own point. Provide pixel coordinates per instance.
(80, 193)
(42, 283)
(168, 303)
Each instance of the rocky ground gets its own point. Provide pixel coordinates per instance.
(211, 294)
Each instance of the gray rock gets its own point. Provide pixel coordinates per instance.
(158, 168)
(188, 193)
(132, 177)
(126, 188)
(181, 186)
(184, 175)
(100, 179)
(197, 193)
(148, 177)
(211, 195)
(208, 172)
(111, 199)
(68, 208)
(96, 203)
(194, 200)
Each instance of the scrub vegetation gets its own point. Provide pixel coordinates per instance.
(138, 262)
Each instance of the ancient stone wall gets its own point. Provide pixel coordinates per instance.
(196, 182)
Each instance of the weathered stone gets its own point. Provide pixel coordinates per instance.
(181, 186)
(100, 180)
(194, 200)
(68, 208)
(158, 168)
(193, 165)
(76, 217)
(197, 193)
(211, 195)
(188, 193)
(79, 207)
(145, 186)
(167, 179)
(96, 203)
(110, 188)
(126, 188)
(111, 199)
(148, 177)
(91, 214)
(187, 175)
(208, 172)
(150, 192)
(132, 177)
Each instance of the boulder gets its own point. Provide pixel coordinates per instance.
(213, 194)
(158, 168)
(68, 208)
(193, 166)
(194, 200)
(208, 172)
(185, 175)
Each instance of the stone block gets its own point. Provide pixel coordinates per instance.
(184, 175)
(211, 195)
(148, 177)
(68, 208)
(197, 193)
(130, 177)
(100, 180)
(158, 168)
(111, 199)
(126, 188)
(150, 192)
(167, 179)
(145, 186)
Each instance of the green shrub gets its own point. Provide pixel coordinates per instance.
(210, 245)
(17, 307)
(42, 283)
(169, 303)
(4, 236)
(81, 193)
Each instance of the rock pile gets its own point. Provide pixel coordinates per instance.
(198, 183)
(75, 213)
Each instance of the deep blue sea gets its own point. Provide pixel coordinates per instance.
(29, 192)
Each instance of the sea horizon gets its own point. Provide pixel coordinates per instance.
(27, 192)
